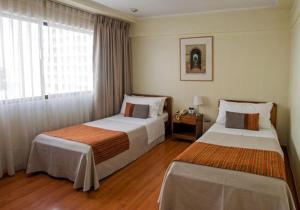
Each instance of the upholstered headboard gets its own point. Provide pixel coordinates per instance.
(273, 117)
(168, 108)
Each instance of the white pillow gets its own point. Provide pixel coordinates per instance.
(264, 110)
(154, 104)
(161, 105)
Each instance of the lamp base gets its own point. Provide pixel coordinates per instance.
(197, 110)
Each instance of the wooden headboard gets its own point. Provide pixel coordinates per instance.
(273, 117)
(167, 108)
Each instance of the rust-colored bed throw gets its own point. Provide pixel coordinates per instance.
(261, 162)
(105, 143)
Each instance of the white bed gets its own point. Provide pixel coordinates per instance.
(74, 161)
(191, 186)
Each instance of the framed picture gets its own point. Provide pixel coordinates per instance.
(196, 59)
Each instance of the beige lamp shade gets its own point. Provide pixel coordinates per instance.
(198, 101)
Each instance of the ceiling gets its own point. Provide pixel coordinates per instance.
(150, 8)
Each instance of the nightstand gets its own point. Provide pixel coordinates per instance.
(188, 127)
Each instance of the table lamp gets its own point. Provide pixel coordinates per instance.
(197, 101)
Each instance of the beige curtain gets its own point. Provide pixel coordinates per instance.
(24, 117)
(69, 16)
(50, 11)
(112, 65)
(23, 8)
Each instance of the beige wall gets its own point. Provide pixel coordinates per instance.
(251, 59)
(294, 143)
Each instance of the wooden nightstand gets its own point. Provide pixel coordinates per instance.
(188, 127)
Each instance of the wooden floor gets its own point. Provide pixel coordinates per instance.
(134, 187)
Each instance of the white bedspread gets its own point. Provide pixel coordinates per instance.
(154, 126)
(74, 161)
(190, 186)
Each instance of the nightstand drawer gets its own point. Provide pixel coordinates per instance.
(186, 119)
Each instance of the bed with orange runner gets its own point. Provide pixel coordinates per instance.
(228, 169)
(260, 162)
(104, 143)
(86, 153)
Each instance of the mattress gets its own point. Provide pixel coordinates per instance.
(191, 186)
(74, 161)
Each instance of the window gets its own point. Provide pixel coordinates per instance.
(19, 59)
(38, 59)
(67, 56)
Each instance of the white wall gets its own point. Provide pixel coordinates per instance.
(294, 143)
(251, 56)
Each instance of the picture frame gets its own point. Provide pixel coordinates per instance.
(197, 58)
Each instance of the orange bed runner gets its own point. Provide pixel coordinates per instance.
(260, 162)
(105, 143)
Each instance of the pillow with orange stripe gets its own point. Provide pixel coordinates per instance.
(129, 110)
(242, 121)
(137, 110)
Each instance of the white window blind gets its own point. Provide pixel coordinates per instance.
(37, 59)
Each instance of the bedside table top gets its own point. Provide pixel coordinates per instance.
(188, 119)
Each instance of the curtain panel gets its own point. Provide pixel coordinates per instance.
(69, 16)
(111, 65)
(24, 111)
(21, 120)
(49, 11)
(33, 9)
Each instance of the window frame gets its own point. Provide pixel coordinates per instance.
(41, 24)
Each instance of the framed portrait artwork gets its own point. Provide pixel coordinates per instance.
(196, 59)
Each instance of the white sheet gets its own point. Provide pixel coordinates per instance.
(270, 141)
(155, 126)
(191, 186)
(74, 160)
(263, 132)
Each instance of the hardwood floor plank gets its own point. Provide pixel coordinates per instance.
(22, 187)
(136, 186)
